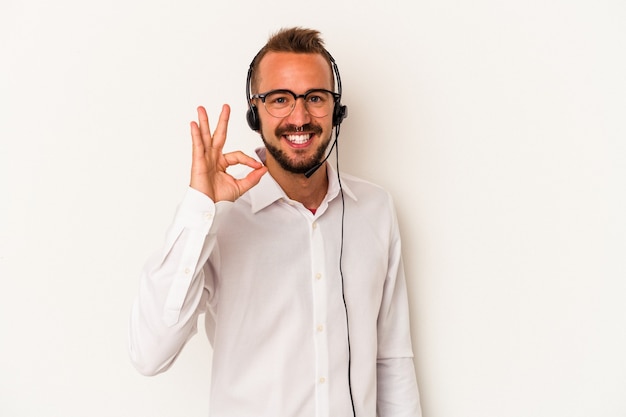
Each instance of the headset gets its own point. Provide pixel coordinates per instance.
(340, 111)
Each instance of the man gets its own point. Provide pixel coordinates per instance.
(298, 270)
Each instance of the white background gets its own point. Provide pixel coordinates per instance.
(498, 126)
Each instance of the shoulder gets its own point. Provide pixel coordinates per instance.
(368, 195)
(363, 188)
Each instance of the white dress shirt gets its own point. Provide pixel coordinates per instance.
(266, 271)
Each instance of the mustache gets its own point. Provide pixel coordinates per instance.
(289, 129)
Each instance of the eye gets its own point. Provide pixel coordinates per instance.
(278, 99)
(317, 97)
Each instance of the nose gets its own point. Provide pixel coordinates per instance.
(299, 115)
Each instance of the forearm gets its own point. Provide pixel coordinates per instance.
(172, 289)
(398, 395)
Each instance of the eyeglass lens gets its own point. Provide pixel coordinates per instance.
(281, 103)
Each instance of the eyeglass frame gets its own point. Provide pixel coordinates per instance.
(263, 96)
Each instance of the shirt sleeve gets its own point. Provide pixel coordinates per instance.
(172, 291)
(398, 394)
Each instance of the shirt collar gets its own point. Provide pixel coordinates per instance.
(267, 191)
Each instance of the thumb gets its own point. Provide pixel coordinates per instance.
(251, 179)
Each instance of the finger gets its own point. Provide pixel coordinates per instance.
(205, 129)
(219, 136)
(251, 179)
(238, 157)
(197, 153)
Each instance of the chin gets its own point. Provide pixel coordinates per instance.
(289, 165)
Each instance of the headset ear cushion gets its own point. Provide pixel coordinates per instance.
(340, 112)
(252, 116)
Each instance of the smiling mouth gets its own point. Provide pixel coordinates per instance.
(298, 139)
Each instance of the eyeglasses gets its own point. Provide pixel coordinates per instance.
(280, 103)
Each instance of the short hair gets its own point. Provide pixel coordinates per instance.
(296, 39)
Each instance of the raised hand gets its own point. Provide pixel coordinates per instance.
(208, 166)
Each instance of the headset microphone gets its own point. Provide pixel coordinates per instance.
(315, 168)
(318, 165)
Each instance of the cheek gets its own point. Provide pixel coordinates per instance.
(268, 129)
(267, 125)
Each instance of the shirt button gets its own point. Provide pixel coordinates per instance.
(320, 328)
(207, 215)
(314, 225)
(318, 276)
(322, 380)
(187, 270)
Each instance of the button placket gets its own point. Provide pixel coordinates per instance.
(320, 302)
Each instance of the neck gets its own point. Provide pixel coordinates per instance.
(308, 191)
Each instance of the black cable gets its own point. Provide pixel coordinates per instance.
(343, 294)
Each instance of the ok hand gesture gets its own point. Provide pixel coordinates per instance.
(208, 166)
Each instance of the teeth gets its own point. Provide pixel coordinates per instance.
(298, 139)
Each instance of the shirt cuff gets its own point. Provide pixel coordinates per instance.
(198, 212)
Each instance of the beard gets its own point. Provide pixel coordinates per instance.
(289, 165)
